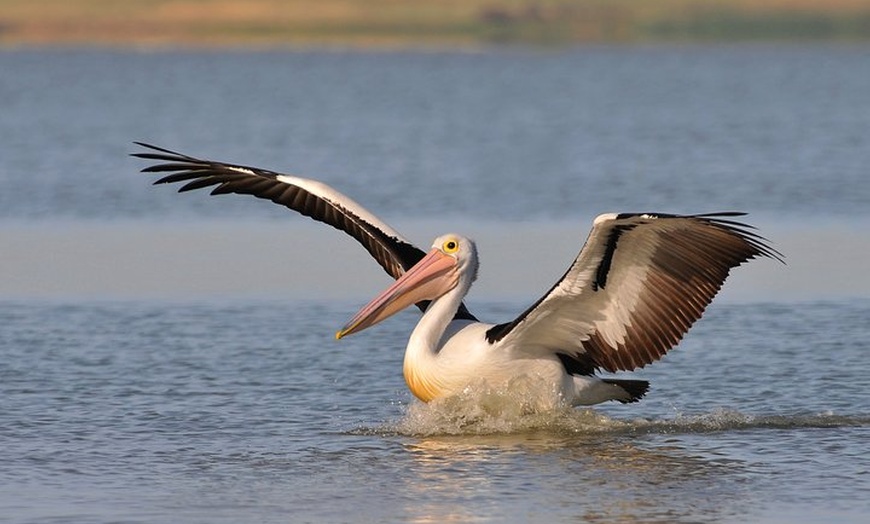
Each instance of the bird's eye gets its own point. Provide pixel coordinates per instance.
(450, 246)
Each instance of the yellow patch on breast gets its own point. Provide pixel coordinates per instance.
(420, 385)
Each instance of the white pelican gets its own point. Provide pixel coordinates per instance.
(637, 285)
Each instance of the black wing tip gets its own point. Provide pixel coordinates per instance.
(653, 214)
(152, 147)
(180, 166)
(764, 249)
(747, 232)
(635, 389)
(164, 155)
(722, 219)
(146, 145)
(161, 155)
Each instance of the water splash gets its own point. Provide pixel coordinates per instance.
(487, 411)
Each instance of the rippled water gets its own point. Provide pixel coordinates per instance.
(141, 382)
(250, 411)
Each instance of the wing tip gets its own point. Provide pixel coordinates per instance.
(760, 245)
(634, 389)
(605, 217)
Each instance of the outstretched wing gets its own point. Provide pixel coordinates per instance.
(309, 197)
(638, 284)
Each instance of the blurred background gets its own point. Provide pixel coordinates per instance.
(403, 23)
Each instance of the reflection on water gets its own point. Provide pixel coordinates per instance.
(584, 477)
(469, 462)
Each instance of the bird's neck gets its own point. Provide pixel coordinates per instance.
(421, 355)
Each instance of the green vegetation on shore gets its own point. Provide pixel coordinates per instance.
(402, 23)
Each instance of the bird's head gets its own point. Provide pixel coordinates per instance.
(451, 262)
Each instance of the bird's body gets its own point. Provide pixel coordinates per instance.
(637, 285)
(433, 372)
(446, 355)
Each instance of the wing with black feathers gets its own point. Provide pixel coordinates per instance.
(638, 284)
(309, 197)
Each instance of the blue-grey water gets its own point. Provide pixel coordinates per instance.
(142, 381)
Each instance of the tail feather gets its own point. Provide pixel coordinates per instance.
(635, 389)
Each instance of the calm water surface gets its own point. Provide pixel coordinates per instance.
(183, 407)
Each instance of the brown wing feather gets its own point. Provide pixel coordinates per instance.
(635, 289)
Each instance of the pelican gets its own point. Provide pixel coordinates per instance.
(637, 285)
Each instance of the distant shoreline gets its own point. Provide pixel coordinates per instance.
(446, 24)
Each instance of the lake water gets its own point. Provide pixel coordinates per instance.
(170, 357)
